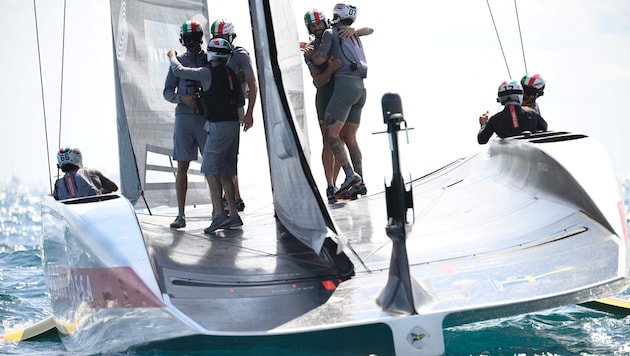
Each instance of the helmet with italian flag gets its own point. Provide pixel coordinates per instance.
(219, 49)
(223, 28)
(533, 84)
(314, 16)
(510, 92)
(190, 31)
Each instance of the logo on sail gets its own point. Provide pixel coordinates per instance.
(122, 34)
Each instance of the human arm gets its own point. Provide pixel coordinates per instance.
(541, 124)
(347, 32)
(320, 55)
(483, 118)
(171, 94)
(179, 70)
(170, 88)
(321, 78)
(486, 130)
(248, 119)
(107, 185)
(241, 63)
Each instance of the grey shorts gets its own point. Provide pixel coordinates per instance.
(189, 137)
(220, 154)
(347, 100)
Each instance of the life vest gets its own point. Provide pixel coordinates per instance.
(75, 184)
(222, 100)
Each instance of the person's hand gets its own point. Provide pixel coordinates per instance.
(333, 63)
(346, 32)
(308, 51)
(248, 122)
(171, 53)
(483, 118)
(189, 100)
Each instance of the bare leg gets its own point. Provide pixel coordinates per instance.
(181, 184)
(336, 170)
(214, 184)
(337, 146)
(349, 135)
(328, 161)
(237, 191)
(228, 188)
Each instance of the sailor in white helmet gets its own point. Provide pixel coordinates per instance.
(323, 79)
(79, 181)
(188, 134)
(533, 87)
(343, 113)
(514, 119)
(241, 63)
(221, 97)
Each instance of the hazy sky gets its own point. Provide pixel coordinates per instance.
(443, 59)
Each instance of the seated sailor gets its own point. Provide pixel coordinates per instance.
(79, 181)
(514, 119)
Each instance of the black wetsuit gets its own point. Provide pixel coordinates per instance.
(511, 121)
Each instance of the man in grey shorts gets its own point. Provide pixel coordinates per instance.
(188, 134)
(241, 64)
(221, 98)
(343, 113)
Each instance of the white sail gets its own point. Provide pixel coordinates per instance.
(143, 32)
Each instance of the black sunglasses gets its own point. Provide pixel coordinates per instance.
(190, 39)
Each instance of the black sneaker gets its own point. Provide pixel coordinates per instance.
(240, 205)
(356, 190)
(330, 194)
(351, 181)
(218, 222)
(234, 221)
(180, 221)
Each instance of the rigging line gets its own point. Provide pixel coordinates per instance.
(500, 45)
(63, 50)
(41, 86)
(521, 36)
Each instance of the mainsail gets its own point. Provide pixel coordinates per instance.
(144, 31)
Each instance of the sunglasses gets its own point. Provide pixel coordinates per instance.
(190, 39)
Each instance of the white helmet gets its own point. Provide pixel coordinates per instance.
(190, 31)
(314, 16)
(533, 84)
(344, 12)
(510, 92)
(222, 28)
(67, 155)
(219, 49)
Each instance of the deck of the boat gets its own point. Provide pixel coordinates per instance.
(469, 250)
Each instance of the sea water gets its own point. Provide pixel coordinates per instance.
(569, 330)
